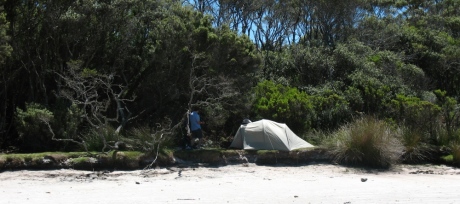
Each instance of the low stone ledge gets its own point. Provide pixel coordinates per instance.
(259, 157)
(300, 157)
(120, 161)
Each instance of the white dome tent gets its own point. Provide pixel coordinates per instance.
(267, 135)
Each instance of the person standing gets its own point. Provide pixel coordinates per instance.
(195, 127)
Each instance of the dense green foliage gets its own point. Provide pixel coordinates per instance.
(304, 112)
(283, 103)
(32, 129)
(89, 73)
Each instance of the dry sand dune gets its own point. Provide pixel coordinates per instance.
(318, 183)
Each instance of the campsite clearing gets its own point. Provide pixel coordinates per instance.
(248, 183)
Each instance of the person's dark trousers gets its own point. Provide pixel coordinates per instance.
(186, 142)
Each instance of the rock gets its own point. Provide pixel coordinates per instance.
(49, 159)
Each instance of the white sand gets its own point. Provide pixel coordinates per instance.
(319, 183)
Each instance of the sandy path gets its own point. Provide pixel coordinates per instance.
(318, 183)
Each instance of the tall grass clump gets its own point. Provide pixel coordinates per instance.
(454, 147)
(455, 151)
(97, 138)
(417, 147)
(366, 142)
(315, 137)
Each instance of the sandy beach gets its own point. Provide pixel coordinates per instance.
(242, 183)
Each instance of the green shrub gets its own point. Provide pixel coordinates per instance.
(321, 108)
(416, 114)
(371, 88)
(365, 142)
(31, 124)
(332, 110)
(450, 114)
(284, 104)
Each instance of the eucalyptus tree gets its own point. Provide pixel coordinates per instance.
(239, 15)
(194, 64)
(164, 56)
(5, 52)
(334, 19)
(5, 48)
(203, 6)
(35, 43)
(146, 47)
(271, 25)
(429, 37)
(42, 42)
(35, 40)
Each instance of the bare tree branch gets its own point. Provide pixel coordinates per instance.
(95, 94)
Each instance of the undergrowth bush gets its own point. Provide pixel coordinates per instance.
(68, 124)
(34, 135)
(283, 103)
(366, 142)
(146, 140)
(418, 115)
(94, 139)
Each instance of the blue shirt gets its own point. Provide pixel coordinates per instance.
(194, 121)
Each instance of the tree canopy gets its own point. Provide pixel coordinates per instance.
(315, 65)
